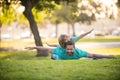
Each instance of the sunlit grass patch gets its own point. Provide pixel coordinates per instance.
(2, 55)
(15, 43)
(100, 39)
(21, 43)
(21, 55)
(31, 55)
(113, 51)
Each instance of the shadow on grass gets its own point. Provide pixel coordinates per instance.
(21, 55)
(7, 49)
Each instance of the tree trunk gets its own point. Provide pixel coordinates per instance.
(73, 28)
(56, 35)
(68, 31)
(33, 26)
(0, 29)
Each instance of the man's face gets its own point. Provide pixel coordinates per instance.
(70, 49)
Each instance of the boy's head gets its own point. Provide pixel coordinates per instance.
(63, 39)
(70, 48)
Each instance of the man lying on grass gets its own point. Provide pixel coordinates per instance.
(70, 52)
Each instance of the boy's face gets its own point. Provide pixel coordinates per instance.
(70, 49)
(67, 38)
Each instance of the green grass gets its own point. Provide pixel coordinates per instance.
(24, 65)
(21, 55)
(60, 70)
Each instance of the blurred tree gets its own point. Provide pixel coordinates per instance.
(86, 14)
(29, 4)
(118, 3)
(56, 18)
(0, 29)
(5, 9)
(71, 17)
(65, 13)
(60, 13)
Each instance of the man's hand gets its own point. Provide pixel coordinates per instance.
(111, 56)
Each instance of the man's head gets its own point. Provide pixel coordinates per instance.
(63, 39)
(70, 48)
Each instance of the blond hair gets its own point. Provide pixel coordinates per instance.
(62, 40)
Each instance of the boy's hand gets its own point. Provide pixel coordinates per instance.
(47, 44)
(90, 30)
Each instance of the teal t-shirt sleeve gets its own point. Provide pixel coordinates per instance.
(58, 45)
(75, 39)
(55, 54)
(55, 51)
(82, 53)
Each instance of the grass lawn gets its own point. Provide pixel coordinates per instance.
(24, 65)
(31, 55)
(60, 70)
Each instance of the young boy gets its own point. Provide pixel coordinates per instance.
(64, 38)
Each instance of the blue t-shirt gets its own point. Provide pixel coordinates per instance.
(61, 54)
(73, 39)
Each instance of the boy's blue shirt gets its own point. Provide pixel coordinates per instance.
(73, 39)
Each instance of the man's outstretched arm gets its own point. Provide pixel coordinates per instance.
(40, 48)
(100, 56)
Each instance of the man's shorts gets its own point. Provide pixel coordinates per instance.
(54, 57)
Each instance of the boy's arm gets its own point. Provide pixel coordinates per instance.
(75, 39)
(51, 45)
(84, 34)
(100, 56)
